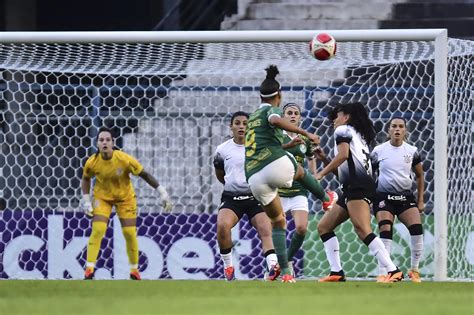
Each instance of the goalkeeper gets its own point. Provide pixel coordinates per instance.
(113, 187)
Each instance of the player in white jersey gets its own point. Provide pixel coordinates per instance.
(295, 198)
(237, 199)
(394, 162)
(353, 132)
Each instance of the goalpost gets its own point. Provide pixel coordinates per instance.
(169, 96)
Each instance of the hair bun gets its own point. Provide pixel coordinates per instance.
(272, 72)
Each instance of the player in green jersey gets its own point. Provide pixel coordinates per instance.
(268, 166)
(295, 198)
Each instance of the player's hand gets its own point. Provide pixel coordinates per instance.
(314, 138)
(165, 199)
(86, 205)
(421, 206)
(294, 142)
(319, 153)
(318, 176)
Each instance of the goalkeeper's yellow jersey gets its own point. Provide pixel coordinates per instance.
(112, 180)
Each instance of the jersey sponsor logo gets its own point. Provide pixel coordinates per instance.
(397, 197)
(254, 124)
(119, 172)
(239, 198)
(382, 204)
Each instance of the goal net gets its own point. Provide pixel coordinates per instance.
(169, 105)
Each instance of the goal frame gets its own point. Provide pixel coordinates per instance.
(438, 36)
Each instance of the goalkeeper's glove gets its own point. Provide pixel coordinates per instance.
(165, 199)
(86, 205)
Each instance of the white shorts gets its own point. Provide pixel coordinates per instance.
(295, 203)
(265, 183)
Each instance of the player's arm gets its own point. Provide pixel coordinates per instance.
(420, 185)
(218, 162)
(85, 203)
(321, 156)
(284, 124)
(149, 179)
(342, 155)
(153, 182)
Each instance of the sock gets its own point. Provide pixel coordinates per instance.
(331, 247)
(271, 258)
(387, 243)
(93, 247)
(416, 250)
(131, 242)
(279, 241)
(295, 245)
(311, 184)
(226, 256)
(378, 250)
(416, 235)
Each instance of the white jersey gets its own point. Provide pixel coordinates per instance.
(356, 171)
(395, 167)
(230, 157)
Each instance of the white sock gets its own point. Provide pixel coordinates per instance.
(227, 259)
(416, 250)
(387, 242)
(378, 250)
(331, 247)
(271, 260)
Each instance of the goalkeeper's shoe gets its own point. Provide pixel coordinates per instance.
(333, 197)
(89, 274)
(229, 273)
(414, 276)
(334, 277)
(135, 275)
(394, 276)
(288, 278)
(273, 273)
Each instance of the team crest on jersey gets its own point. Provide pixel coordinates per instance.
(407, 158)
(382, 204)
(119, 172)
(303, 148)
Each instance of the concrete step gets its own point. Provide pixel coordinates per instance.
(429, 10)
(336, 11)
(314, 24)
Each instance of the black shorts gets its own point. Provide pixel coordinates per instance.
(356, 193)
(241, 204)
(395, 204)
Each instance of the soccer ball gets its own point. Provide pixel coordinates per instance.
(322, 46)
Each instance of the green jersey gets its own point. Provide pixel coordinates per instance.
(262, 140)
(300, 152)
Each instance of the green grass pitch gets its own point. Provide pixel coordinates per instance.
(238, 297)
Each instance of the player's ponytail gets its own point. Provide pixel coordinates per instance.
(270, 87)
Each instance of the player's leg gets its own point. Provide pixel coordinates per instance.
(127, 213)
(227, 218)
(385, 222)
(359, 212)
(412, 220)
(262, 224)
(102, 210)
(264, 185)
(312, 184)
(298, 207)
(330, 220)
